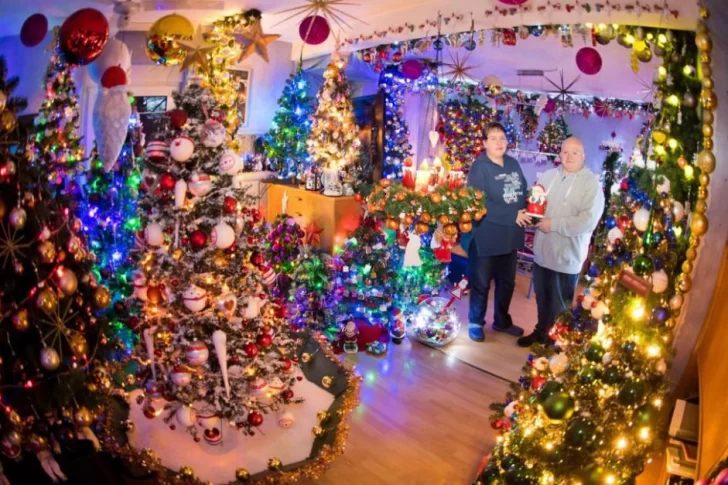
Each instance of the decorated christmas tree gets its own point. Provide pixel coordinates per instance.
(109, 215)
(52, 376)
(213, 343)
(461, 129)
(511, 131)
(529, 121)
(333, 143)
(311, 292)
(57, 144)
(592, 414)
(397, 147)
(285, 143)
(552, 135)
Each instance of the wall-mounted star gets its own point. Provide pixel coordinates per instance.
(459, 71)
(564, 92)
(197, 50)
(253, 40)
(313, 234)
(328, 9)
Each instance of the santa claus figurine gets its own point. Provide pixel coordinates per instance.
(537, 202)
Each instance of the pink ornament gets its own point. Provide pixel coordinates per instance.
(34, 30)
(722, 478)
(314, 30)
(412, 69)
(196, 353)
(513, 2)
(589, 61)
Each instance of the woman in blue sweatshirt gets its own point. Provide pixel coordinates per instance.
(497, 237)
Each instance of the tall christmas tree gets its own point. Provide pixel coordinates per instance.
(285, 143)
(205, 300)
(333, 143)
(461, 129)
(552, 135)
(397, 147)
(57, 144)
(109, 214)
(591, 414)
(52, 378)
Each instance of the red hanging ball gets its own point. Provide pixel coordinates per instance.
(288, 394)
(250, 349)
(34, 30)
(114, 76)
(287, 363)
(178, 117)
(255, 418)
(166, 182)
(83, 36)
(264, 341)
(198, 239)
(229, 205)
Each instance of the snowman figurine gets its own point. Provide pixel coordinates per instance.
(536, 206)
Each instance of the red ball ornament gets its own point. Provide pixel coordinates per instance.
(198, 239)
(288, 394)
(397, 56)
(114, 76)
(166, 182)
(255, 418)
(178, 117)
(412, 69)
(264, 341)
(623, 222)
(589, 61)
(83, 36)
(537, 382)
(34, 30)
(314, 30)
(250, 349)
(229, 205)
(624, 185)
(287, 364)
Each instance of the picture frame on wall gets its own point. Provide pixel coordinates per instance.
(241, 77)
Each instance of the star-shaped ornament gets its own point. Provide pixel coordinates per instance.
(312, 235)
(564, 92)
(197, 50)
(328, 9)
(253, 40)
(459, 70)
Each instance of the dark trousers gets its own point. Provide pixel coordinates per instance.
(554, 294)
(502, 269)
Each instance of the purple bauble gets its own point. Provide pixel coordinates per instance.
(314, 30)
(660, 315)
(588, 61)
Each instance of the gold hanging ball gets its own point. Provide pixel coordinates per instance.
(702, 193)
(20, 320)
(691, 254)
(706, 161)
(699, 224)
(242, 475)
(687, 267)
(47, 300)
(186, 472)
(710, 100)
(701, 206)
(47, 251)
(101, 297)
(704, 14)
(704, 180)
(676, 302)
(684, 282)
(707, 70)
(708, 142)
(78, 344)
(707, 82)
(705, 59)
(83, 417)
(67, 282)
(708, 117)
(702, 40)
(274, 464)
(707, 130)
(305, 357)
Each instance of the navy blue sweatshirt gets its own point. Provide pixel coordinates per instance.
(505, 194)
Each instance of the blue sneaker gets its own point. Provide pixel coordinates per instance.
(475, 332)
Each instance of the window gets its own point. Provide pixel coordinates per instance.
(241, 80)
(151, 110)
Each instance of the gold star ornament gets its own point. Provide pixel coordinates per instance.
(459, 71)
(254, 40)
(196, 51)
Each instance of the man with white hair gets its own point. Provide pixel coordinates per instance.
(575, 203)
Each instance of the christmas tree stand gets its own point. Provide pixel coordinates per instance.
(336, 215)
(275, 454)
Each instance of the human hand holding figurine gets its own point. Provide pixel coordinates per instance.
(544, 225)
(523, 219)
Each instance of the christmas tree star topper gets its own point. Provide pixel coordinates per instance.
(197, 50)
(255, 41)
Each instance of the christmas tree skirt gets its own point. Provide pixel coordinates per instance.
(217, 463)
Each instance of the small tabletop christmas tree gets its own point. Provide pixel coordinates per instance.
(552, 136)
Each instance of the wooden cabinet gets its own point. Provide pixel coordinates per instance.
(336, 215)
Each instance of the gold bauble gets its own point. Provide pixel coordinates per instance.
(83, 417)
(177, 254)
(18, 217)
(20, 320)
(684, 282)
(703, 42)
(478, 195)
(704, 179)
(702, 193)
(421, 228)
(8, 120)
(701, 206)
(699, 224)
(392, 224)
(676, 302)
(708, 83)
(14, 419)
(317, 431)
(101, 297)
(385, 183)
(92, 387)
(705, 58)
(687, 267)
(691, 254)
(37, 443)
(220, 261)
(49, 358)
(682, 162)
(186, 472)
(443, 219)
(67, 281)
(14, 438)
(326, 381)
(480, 214)
(465, 226)
(162, 44)
(409, 219)
(435, 198)
(704, 14)
(73, 245)
(274, 464)
(466, 217)
(242, 475)
(46, 300)
(659, 136)
(706, 161)
(305, 357)
(707, 70)
(47, 251)
(709, 100)
(78, 344)
(707, 130)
